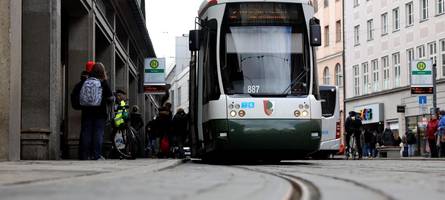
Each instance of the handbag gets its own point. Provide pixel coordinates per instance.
(165, 145)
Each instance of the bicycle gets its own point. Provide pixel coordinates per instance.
(125, 141)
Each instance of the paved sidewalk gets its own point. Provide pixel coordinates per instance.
(341, 157)
(136, 179)
(26, 172)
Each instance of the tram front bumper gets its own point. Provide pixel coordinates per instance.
(271, 135)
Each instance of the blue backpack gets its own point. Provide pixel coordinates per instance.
(91, 92)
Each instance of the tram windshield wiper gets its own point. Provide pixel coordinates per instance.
(266, 95)
(286, 60)
(300, 76)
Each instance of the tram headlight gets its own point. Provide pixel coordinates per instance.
(297, 113)
(237, 106)
(233, 113)
(231, 106)
(305, 113)
(300, 106)
(242, 113)
(306, 106)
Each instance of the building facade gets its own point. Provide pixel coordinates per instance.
(58, 38)
(330, 54)
(178, 77)
(382, 39)
(10, 83)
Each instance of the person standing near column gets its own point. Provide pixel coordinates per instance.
(95, 96)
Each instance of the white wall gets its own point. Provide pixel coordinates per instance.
(180, 75)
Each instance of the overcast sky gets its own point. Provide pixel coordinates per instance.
(167, 19)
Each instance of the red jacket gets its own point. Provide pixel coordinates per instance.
(431, 129)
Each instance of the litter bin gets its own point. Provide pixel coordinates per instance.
(34, 144)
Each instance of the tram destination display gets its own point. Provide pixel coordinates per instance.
(422, 77)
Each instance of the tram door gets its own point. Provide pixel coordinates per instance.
(330, 107)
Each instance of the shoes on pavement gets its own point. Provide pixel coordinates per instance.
(101, 158)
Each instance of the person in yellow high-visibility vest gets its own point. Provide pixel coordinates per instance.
(120, 108)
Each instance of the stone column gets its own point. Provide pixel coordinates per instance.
(10, 85)
(41, 80)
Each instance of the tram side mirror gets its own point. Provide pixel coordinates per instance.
(315, 32)
(194, 40)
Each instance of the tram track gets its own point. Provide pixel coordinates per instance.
(301, 189)
(309, 185)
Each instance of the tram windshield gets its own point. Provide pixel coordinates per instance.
(263, 50)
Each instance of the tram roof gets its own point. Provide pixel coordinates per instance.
(207, 3)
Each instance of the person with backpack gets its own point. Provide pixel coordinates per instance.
(411, 141)
(95, 96)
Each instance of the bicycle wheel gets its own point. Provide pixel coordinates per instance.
(124, 142)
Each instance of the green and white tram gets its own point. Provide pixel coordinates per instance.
(253, 81)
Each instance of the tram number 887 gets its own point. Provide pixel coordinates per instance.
(253, 89)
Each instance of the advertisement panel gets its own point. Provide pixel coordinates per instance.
(372, 113)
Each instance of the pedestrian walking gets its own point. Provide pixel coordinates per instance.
(180, 124)
(150, 131)
(353, 126)
(411, 141)
(404, 147)
(95, 96)
(431, 132)
(163, 128)
(368, 139)
(136, 120)
(373, 145)
(441, 134)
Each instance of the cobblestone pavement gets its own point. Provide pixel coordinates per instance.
(173, 179)
(140, 179)
(369, 179)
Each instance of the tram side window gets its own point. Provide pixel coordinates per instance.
(211, 85)
(329, 101)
